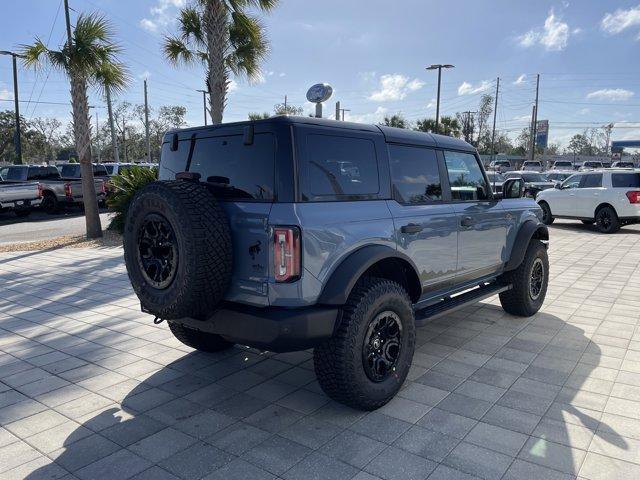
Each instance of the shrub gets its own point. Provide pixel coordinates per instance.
(123, 187)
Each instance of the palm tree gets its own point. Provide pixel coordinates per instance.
(89, 59)
(222, 36)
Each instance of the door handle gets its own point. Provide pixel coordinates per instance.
(411, 228)
(467, 222)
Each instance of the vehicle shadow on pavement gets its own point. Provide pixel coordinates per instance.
(196, 414)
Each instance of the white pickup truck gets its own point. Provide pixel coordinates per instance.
(19, 197)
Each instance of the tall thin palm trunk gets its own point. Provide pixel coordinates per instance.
(216, 28)
(82, 137)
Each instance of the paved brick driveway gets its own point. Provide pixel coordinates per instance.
(90, 388)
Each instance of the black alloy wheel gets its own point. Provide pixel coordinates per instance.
(382, 345)
(157, 252)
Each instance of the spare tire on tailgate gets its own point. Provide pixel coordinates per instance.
(177, 248)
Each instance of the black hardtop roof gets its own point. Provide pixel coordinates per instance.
(391, 134)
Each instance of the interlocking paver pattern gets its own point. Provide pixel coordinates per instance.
(91, 388)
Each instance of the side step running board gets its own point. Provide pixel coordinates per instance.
(451, 304)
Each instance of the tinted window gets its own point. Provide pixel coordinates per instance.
(534, 177)
(340, 166)
(43, 173)
(14, 173)
(100, 171)
(415, 174)
(591, 181)
(237, 170)
(625, 180)
(109, 169)
(465, 177)
(70, 171)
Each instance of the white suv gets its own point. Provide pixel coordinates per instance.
(609, 198)
(532, 166)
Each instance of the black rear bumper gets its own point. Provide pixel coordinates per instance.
(270, 328)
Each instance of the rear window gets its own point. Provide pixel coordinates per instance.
(43, 173)
(237, 171)
(339, 167)
(415, 174)
(70, 171)
(625, 180)
(14, 173)
(100, 171)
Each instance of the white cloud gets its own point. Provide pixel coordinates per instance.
(144, 75)
(584, 111)
(621, 20)
(467, 88)
(395, 87)
(282, 74)
(372, 117)
(233, 86)
(523, 118)
(613, 94)
(554, 36)
(432, 104)
(5, 94)
(520, 80)
(161, 15)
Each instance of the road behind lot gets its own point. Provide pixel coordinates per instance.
(40, 226)
(89, 386)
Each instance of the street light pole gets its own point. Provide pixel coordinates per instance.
(439, 67)
(18, 137)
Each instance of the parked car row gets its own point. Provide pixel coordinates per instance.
(503, 166)
(53, 188)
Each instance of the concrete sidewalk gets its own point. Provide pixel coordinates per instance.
(91, 388)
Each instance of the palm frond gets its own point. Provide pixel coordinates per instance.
(38, 54)
(240, 5)
(112, 75)
(177, 51)
(191, 26)
(250, 46)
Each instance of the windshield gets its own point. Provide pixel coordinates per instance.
(109, 169)
(70, 171)
(562, 164)
(532, 164)
(593, 164)
(14, 173)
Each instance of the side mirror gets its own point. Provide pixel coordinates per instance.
(513, 188)
(557, 186)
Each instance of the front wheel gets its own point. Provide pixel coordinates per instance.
(528, 282)
(367, 360)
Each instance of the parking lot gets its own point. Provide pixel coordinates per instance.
(89, 386)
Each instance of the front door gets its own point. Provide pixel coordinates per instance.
(481, 220)
(564, 201)
(424, 221)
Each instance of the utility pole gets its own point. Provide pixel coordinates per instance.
(534, 125)
(146, 121)
(495, 111)
(344, 110)
(204, 104)
(438, 67)
(532, 139)
(285, 104)
(114, 136)
(608, 128)
(124, 139)
(97, 137)
(17, 142)
(338, 109)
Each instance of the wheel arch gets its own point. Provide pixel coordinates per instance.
(603, 205)
(375, 260)
(528, 231)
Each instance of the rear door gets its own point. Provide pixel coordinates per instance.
(481, 220)
(424, 220)
(242, 177)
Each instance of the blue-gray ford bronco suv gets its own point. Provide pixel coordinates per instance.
(292, 233)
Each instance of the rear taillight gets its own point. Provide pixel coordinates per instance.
(634, 196)
(68, 191)
(286, 249)
(40, 191)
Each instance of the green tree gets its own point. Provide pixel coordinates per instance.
(259, 116)
(89, 58)
(397, 121)
(222, 36)
(287, 109)
(448, 126)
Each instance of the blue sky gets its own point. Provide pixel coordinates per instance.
(373, 53)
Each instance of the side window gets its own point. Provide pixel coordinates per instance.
(340, 167)
(618, 180)
(415, 174)
(173, 162)
(465, 177)
(572, 182)
(591, 181)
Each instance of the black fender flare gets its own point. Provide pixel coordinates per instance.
(340, 283)
(528, 230)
